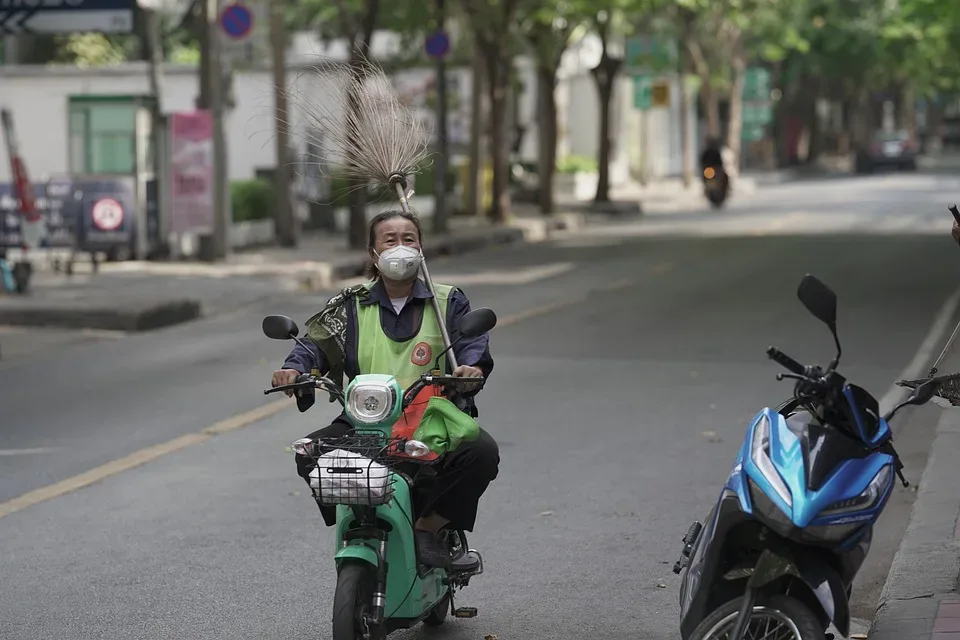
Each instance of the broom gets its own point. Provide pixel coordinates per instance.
(375, 138)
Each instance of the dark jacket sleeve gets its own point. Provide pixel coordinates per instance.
(305, 358)
(470, 351)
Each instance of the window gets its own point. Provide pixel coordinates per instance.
(103, 136)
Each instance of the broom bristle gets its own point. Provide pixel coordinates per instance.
(362, 122)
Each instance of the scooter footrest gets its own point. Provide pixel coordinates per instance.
(469, 561)
(465, 612)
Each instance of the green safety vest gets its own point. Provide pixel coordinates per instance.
(406, 361)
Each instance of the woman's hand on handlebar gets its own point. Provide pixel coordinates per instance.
(467, 371)
(283, 377)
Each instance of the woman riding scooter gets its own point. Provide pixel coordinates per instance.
(389, 328)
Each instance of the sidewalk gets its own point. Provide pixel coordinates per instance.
(920, 600)
(141, 295)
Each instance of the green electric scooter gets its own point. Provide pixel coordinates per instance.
(370, 475)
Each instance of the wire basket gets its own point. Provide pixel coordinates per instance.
(356, 469)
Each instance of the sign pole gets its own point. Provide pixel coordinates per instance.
(438, 46)
(221, 244)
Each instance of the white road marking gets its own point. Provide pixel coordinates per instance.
(26, 452)
(929, 349)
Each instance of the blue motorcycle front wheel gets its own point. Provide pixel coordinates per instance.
(780, 617)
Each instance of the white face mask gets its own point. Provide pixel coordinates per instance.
(399, 263)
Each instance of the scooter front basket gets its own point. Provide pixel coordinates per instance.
(355, 470)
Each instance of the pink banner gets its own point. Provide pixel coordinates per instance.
(191, 172)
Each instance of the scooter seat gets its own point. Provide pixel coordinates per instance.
(469, 561)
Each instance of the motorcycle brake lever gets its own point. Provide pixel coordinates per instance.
(792, 376)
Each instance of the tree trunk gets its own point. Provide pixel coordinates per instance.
(686, 132)
(357, 229)
(735, 117)
(359, 52)
(710, 99)
(605, 73)
(497, 79)
(907, 111)
(474, 200)
(547, 135)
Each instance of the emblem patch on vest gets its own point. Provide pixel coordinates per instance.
(421, 354)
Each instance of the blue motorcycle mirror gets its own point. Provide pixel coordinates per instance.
(819, 300)
(280, 328)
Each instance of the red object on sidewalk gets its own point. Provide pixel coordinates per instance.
(22, 190)
(21, 182)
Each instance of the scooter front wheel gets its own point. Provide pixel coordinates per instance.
(782, 617)
(356, 582)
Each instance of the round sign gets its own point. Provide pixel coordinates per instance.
(236, 21)
(107, 214)
(438, 44)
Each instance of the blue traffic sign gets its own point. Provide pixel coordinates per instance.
(236, 20)
(437, 44)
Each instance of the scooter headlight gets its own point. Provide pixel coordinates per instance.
(760, 453)
(868, 498)
(371, 402)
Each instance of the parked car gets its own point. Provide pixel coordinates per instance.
(889, 149)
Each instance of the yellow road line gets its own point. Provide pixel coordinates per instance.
(143, 456)
(138, 458)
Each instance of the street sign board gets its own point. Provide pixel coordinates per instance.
(437, 44)
(66, 16)
(756, 85)
(645, 54)
(236, 21)
(642, 92)
(757, 113)
(660, 94)
(245, 27)
(752, 133)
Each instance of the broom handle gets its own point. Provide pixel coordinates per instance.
(429, 282)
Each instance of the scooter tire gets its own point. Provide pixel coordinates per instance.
(713, 628)
(356, 582)
(439, 613)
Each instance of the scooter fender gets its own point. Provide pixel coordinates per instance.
(824, 583)
(357, 552)
(702, 572)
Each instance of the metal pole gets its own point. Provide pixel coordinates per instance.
(441, 321)
(221, 244)
(443, 148)
(287, 223)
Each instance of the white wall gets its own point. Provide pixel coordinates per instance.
(38, 97)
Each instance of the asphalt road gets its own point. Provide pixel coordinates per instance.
(618, 409)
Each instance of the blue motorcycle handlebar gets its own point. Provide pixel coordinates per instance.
(787, 362)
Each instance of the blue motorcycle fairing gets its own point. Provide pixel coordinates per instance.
(873, 429)
(704, 569)
(848, 481)
(705, 559)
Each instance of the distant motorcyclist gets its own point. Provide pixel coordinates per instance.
(387, 327)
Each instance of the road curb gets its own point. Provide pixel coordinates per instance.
(926, 566)
(925, 569)
(143, 318)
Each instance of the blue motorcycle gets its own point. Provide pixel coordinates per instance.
(777, 555)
